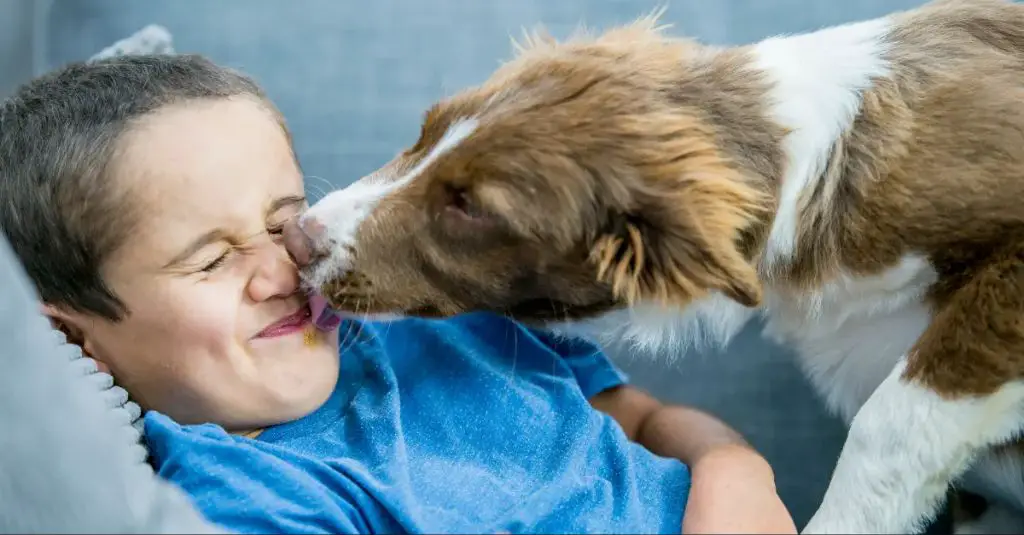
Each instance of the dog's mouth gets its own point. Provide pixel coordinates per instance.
(538, 310)
(354, 294)
(546, 310)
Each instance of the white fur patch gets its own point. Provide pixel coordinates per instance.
(849, 334)
(343, 211)
(649, 328)
(818, 79)
(905, 446)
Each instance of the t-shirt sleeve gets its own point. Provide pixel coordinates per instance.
(241, 488)
(593, 370)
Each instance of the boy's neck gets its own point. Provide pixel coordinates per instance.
(249, 434)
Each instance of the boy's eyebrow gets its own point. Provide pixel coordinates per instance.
(203, 240)
(288, 200)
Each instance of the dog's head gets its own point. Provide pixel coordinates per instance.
(573, 181)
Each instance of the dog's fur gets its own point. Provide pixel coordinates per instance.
(861, 188)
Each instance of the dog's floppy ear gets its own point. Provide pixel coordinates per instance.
(681, 238)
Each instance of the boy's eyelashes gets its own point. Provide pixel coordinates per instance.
(217, 263)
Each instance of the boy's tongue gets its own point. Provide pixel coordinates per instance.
(324, 318)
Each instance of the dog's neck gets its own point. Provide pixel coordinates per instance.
(730, 92)
(780, 107)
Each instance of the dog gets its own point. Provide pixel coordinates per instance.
(859, 188)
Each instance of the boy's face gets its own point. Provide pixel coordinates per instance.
(217, 328)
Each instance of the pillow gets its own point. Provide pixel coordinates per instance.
(127, 414)
(153, 39)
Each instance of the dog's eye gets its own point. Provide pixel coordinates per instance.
(460, 203)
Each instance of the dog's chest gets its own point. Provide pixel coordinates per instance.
(849, 334)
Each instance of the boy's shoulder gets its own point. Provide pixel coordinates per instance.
(481, 343)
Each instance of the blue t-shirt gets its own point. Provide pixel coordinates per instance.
(474, 424)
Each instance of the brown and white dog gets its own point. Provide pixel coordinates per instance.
(860, 188)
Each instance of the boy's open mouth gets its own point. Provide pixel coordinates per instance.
(292, 323)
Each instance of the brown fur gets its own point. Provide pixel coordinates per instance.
(934, 164)
(645, 186)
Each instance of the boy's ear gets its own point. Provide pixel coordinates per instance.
(69, 323)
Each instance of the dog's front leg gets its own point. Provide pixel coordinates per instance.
(904, 447)
(958, 391)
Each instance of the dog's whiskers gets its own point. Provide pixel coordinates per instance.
(320, 191)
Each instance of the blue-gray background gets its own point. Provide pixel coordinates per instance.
(353, 78)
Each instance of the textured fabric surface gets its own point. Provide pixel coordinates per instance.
(353, 78)
(69, 463)
(434, 429)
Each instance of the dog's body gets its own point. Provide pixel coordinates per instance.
(860, 187)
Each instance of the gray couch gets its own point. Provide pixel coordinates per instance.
(353, 78)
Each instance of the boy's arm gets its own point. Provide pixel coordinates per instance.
(733, 488)
(668, 430)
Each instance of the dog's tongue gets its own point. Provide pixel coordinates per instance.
(326, 319)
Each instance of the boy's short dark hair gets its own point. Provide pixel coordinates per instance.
(59, 208)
